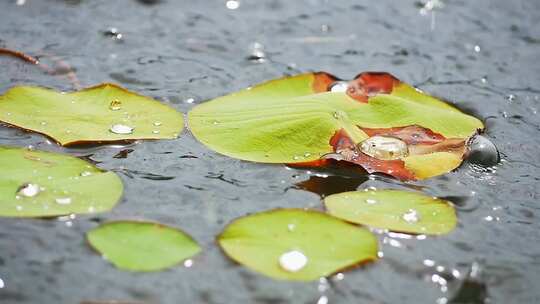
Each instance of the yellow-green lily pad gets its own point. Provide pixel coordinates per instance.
(396, 210)
(295, 244)
(102, 113)
(142, 246)
(43, 184)
(375, 121)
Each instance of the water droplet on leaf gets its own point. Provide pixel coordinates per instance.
(115, 105)
(63, 200)
(29, 190)
(411, 216)
(121, 129)
(384, 148)
(339, 86)
(293, 261)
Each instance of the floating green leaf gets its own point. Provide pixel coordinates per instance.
(395, 210)
(41, 184)
(102, 113)
(295, 244)
(142, 246)
(304, 120)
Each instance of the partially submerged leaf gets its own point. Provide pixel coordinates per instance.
(375, 121)
(42, 184)
(294, 244)
(97, 114)
(395, 210)
(142, 246)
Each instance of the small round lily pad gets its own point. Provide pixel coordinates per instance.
(43, 184)
(103, 113)
(142, 246)
(395, 210)
(296, 244)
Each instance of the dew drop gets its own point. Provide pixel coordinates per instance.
(29, 190)
(384, 148)
(121, 129)
(293, 261)
(307, 154)
(157, 123)
(411, 216)
(63, 200)
(43, 123)
(115, 105)
(339, 86)
(155, 132)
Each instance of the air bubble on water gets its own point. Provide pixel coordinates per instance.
(384, 147)
(339, 86)
(511, 97)
(115, 105)
(188, 263)
(232, 4)
(63, 200)
(189, 100)
(477, 48)
(121, 129)
(483, 152)
(29, 190)
(256, 52)
(293, 261)
(411, 216)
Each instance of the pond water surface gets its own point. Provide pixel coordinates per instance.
(482, 55)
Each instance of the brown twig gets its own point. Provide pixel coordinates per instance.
(70, 75)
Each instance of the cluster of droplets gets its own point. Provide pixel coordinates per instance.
(124, 129)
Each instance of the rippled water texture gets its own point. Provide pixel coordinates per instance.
(481, 54)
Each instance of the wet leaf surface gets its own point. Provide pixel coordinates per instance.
(295, 244)
(43, 184)
(104, 113)
(142, 246)
(375, 121)
(395, 210)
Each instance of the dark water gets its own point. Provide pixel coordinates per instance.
(481, 54)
